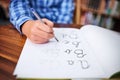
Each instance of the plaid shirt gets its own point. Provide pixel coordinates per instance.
(58, 11)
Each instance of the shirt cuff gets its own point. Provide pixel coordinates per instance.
(20, 21)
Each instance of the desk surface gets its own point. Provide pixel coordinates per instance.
(11, 44)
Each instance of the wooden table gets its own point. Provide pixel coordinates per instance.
(11, 44)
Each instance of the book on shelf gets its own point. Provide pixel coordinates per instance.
(89, 52)
(112, 7)
(96, 19)
(118, 8)
(114, 10)
(93, 4)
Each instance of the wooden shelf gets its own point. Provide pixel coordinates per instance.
(83, 6)
(85, 9)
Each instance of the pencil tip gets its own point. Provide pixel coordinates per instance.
(56, 39)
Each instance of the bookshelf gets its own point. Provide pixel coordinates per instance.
(103, 13)
(4, 12)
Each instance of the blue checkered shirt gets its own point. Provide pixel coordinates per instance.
(58, 11)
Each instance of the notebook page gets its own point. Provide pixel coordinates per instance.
(71, 57)
(106, 47)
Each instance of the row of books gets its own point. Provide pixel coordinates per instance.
(111, 7)
(96, 19)
(93, 4)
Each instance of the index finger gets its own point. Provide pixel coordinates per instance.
(44, 27)
(48, 22)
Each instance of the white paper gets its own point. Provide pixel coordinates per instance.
(71, 57)
(106, 45)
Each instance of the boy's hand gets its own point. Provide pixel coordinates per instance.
(38, 32)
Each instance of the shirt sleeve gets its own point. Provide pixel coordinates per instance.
(66, 11)
(19, 12)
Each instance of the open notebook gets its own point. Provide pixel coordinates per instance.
(89, 52)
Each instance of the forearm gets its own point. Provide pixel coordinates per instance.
(19, 13)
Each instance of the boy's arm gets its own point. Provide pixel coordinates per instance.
(19, 11)
(21, 17)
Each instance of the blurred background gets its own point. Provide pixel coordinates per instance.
(103, 13)
(4, 12)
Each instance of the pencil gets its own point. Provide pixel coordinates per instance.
(37, 16)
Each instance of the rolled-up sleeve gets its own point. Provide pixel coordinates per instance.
(19, 11)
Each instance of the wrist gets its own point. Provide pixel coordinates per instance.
(26, 27)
